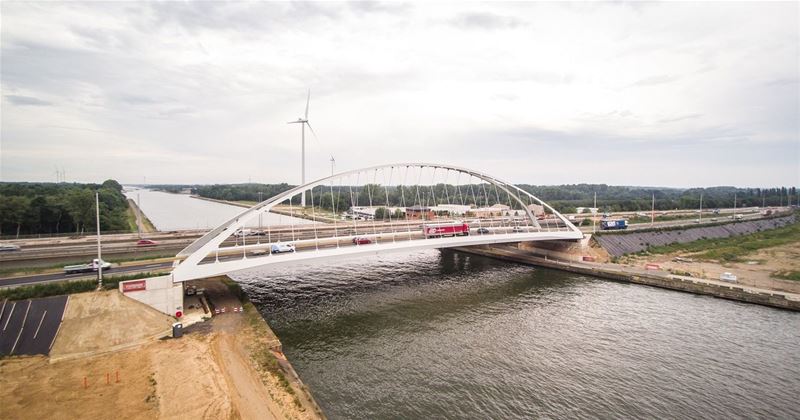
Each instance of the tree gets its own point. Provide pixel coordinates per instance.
(112, 184)
(382, 213)
(16, 210)
(80, 205)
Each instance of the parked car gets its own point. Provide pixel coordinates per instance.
(360, 240)
(9, 247)
(279, 247)
(146, 242)
(483, 231)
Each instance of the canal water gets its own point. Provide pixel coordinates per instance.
(181, 211)
(441, 334)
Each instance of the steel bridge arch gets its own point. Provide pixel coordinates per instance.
(188, 264)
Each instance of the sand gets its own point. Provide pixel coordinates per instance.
(111, 342)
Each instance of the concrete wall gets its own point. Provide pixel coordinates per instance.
(563, 250)
(158, 292)
(732, 292)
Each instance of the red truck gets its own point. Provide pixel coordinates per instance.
(445, 229)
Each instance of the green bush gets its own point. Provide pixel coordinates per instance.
(48, 289)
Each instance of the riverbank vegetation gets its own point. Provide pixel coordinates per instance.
(68, 287)
(735, 248)
(48, 208)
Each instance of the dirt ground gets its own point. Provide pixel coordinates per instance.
(757, 271)
(206, 374)
(102, 321)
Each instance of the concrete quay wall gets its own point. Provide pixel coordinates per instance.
(684, 284)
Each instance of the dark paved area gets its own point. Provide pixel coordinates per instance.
(30, 326)
(46, 278)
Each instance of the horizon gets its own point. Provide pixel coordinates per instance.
(134, 184)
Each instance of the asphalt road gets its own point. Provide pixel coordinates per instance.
(30, 326)
(48, 278)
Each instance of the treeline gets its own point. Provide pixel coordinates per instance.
(240, 192)
(620, 198)
(564, 198)
(48, 208)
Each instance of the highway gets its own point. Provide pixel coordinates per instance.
(60, 276)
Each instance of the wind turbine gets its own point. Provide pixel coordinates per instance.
(303, 123)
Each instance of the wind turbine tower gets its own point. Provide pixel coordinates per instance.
(303, 123)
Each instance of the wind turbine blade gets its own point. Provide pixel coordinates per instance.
(312, 130)
(307, 101)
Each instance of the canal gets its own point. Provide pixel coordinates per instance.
(447, 335)
(170, 211)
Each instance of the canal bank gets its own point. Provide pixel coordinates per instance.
(776, 299)
(115, 356)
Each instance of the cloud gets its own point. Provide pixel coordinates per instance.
(27, 100)
(486, 21)
(655, 80)
(680, 118)
(497, 86)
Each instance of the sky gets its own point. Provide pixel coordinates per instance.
(624, 93)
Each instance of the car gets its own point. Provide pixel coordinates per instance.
(360, 240)
(483, 231)
(146, 242)
(9, 247)
(516, 229)
(279, 247)
(261, 251)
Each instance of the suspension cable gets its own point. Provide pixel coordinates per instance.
(369, 194)
(314, 217)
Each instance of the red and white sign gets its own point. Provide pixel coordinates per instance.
(134, 286)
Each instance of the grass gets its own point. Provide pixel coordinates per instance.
(48, 289)
(67, 287)
(734, 248)
(787, 275)
(147, 225)
(131, 218)
(112, 282)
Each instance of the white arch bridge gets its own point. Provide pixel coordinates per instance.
(395, 207)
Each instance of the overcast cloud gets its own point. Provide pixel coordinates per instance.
(672, 94)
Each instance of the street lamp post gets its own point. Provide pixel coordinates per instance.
(99, 250)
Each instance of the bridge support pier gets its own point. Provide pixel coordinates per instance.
(159, 292)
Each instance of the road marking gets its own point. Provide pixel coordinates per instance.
(40, 324)
(21, 327)
(9, 315)
(3, 310)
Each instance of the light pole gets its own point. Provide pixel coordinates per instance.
(701, 207)
(99, 251)
(653, 211)
(594, 214)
